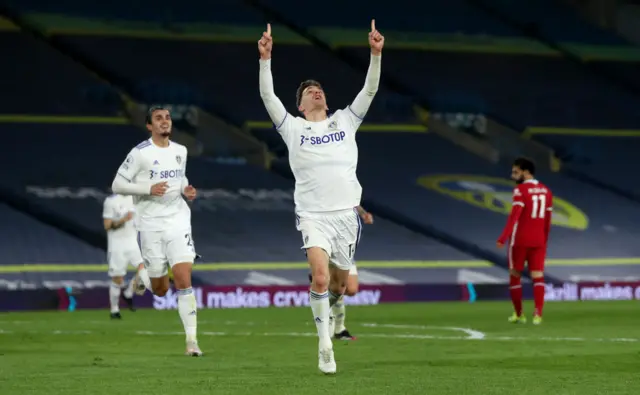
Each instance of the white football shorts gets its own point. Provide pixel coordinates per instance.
(163, 247)
(119, 258)
(338, 233)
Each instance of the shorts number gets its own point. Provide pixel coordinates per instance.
(539, 206)
(351, 250)
(190, 241)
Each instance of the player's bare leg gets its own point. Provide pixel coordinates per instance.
(160, 285)
(187, 306)
(319, 301)
(339, 310)
(515, 289)
(538, 295)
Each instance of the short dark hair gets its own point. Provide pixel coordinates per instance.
(150, 112)
(525, 164)
(304, 85)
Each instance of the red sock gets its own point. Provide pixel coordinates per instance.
(538, 295)
(515, 289)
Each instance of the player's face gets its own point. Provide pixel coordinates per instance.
(517, 175)
(160, 123)
(313, 98)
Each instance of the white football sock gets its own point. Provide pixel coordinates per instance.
(128, 290)
(144, 276)
(114, 297)
(333, 298)
(188, 310)
(339, 312)
(320, 307)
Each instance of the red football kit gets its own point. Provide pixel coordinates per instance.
(528, 225)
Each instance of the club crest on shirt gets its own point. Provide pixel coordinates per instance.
(178, 159)
(496, 194)
(333, 125)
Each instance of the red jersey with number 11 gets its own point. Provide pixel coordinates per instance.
(530, 219)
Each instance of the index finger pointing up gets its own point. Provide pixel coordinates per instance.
(373, 25)
(269, 29)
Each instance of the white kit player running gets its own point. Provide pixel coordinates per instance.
(323, 156)
(154, 173)
(122, 250)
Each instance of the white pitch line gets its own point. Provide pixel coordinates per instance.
(471, 333)
(371, 335)
(98, 322)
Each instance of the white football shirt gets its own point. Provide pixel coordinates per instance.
(323, 157)
(115, 208)
(149, 164)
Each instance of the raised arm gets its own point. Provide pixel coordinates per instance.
(274, 106)
(363, 100)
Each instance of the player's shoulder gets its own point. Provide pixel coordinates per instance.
(145, 144)
(295, 120)
(178, 148)
(545, 186)
(341, 113)
(342, 117)
(519, 190)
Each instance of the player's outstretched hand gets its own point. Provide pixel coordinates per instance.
(499, 245)
(128, 217)
(159, 189)
(190, 192)
(367, 218)
(376, 40)
(265, 44)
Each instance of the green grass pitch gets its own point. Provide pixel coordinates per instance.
(436, 348)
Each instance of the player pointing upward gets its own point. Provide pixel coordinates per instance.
(527, 229)
(323, 156)
(154, 173)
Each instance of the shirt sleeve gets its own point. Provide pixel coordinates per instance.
(276, 110)
(107, 209)
(358, 109)
(123, 181)
(518, 197)
(131, 165)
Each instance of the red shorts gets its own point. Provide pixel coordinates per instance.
(534, 256)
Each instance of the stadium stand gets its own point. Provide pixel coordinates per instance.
(61, 88)
(25, 240)
(552, 19)
(209, 53)
(606, 156)
(439, 185)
